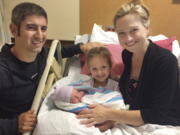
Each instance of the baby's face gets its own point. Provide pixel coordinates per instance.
(76, 96)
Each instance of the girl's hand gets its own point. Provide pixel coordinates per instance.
(96, 114)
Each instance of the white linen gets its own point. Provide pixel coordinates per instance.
(175, 44)
(82, 39)
(74, 66)
(99, 35)
(148, 129)
(52, 121)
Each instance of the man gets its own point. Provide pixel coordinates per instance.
(22, 65)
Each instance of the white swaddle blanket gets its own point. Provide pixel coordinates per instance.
(107, 98)
(101, 95)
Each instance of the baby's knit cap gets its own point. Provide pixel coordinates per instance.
(62, 93)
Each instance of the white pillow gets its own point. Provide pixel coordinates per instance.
(82, 38)
(99, 35)
(157, 37)
(175, 46)
(176, 50)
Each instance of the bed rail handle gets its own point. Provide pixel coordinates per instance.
(39, 93)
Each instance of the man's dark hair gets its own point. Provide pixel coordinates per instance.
(22, 10)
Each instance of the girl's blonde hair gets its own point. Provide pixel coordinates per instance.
(99, 51)
(134, 7)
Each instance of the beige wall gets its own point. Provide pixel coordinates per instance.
(67, 18)
(165, 15)
(63, 16)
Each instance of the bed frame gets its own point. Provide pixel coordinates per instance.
(53, 71)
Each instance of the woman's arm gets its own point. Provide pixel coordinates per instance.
(98, 114)
(131, 117)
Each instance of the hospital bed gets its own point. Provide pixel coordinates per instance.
(53, 121)
(53, 71)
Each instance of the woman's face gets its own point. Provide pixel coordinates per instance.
(131, 32)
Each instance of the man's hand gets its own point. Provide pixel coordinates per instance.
(26, 121)
(86, 47)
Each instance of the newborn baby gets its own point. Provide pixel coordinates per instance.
(73, 99)
(69, 94)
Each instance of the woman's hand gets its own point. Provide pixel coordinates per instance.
(96, 114)
(105, 125)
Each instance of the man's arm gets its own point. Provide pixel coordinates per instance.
(71, 50)
(8, 126)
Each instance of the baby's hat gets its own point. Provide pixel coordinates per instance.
(62, 93)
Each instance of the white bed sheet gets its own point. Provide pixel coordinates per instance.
(52, 121)
(74, 66)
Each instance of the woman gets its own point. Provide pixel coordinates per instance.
(149, 83)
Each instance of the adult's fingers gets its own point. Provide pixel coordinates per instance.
(87, 115)
(86, 111)
(93, 106)
(89, 122)
(26, 126)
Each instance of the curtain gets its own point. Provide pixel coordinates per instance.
(4, 36)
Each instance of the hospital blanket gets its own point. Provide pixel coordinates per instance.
(107, 98)
(53, 121)
(58, 122)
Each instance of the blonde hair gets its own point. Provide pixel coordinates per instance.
(134, 7)
(99, 51)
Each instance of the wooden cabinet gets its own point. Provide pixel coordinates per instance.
(97, 11)
(165, 15)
